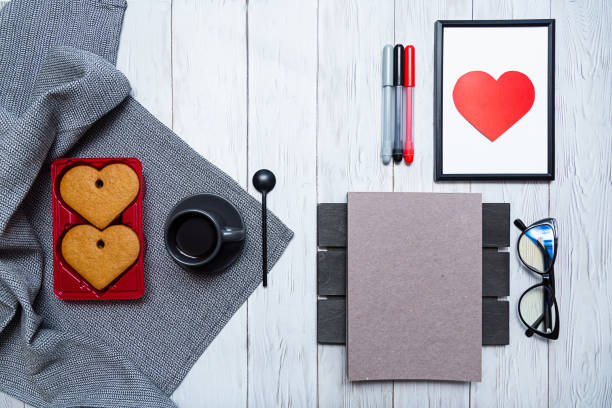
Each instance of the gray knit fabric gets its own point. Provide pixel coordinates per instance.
(61, 96)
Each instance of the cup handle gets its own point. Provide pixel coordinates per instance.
(232, 234)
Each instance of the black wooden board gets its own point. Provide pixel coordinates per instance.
(495, 273)
(331, 225)
(495, 225)
(331, 272)
(331, 321)
(495, 327)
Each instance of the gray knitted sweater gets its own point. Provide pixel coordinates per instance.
(60, 95)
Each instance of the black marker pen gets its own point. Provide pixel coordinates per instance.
(398, 83)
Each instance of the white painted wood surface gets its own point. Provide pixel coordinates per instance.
(295, 86)
(581, 361)
(209, 69)
(282, 84)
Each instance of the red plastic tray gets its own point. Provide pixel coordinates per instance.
(67, 283)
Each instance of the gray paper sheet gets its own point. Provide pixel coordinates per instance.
(414, 288)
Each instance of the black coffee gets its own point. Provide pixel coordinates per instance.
(196, 236)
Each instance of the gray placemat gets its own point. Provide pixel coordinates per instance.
(60, 95)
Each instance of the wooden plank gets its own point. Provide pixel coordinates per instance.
(332, 221)
(209, 69)
(331, 321)
(351, 36)
(144, 56)
(6, 401)
(495, 273)
(523, 364)
(495, 225)
(331, 225)
(414, 24)
(331, 273)
(210, 81)
(282, 66)
(581, 360)
(495, 322)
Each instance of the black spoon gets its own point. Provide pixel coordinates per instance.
(264, 181)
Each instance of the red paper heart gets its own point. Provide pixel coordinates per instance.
(493, 106)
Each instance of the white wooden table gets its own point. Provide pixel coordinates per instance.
(294, 86)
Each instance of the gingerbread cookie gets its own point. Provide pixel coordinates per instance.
(100, 256)
(99, 196)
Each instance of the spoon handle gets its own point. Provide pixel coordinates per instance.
(264, 239)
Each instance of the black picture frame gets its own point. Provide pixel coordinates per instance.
(440, 25)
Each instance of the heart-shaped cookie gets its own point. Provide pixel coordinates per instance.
(100, 256)
(99, 196)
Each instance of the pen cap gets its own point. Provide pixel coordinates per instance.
(387, 66)
(409, 66)
(398, 65)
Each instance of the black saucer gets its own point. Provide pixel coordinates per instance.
(230, 251)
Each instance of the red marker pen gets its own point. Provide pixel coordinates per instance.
(409, 83)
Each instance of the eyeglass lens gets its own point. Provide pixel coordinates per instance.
(536, 247)
(536, 309)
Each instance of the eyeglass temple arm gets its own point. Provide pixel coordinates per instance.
(548, 299)
(549, 280)
(529, 332)
(520, 224)
(547, 314)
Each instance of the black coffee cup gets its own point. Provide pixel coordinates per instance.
(194, 236)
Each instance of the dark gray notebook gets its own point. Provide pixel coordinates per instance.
(414, 287)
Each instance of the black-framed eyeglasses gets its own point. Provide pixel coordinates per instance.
(537, 251)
